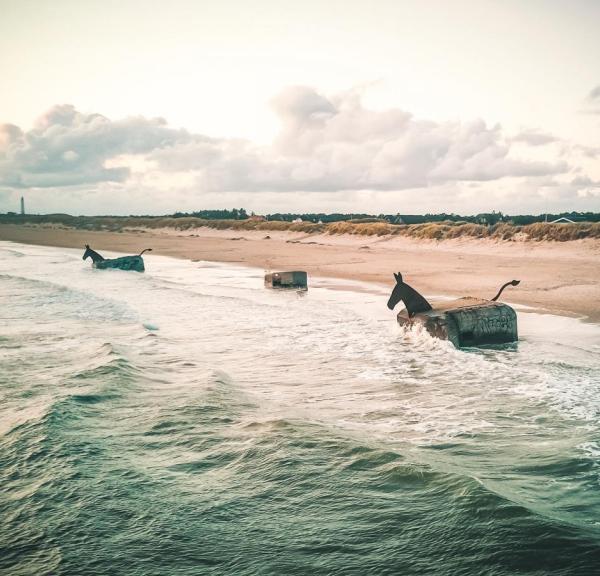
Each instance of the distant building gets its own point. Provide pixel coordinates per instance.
(563, 219)
(297, 220)
(22, 206)
(257, 218)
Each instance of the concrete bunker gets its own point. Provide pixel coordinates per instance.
(296, 280)
(464, 322)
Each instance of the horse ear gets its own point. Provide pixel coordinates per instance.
(87, 246)
(398, 277)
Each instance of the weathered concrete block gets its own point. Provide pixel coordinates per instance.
(467, 322)
(295, 280)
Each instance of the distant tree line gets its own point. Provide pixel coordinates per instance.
(315, 217)
(487, 218)
(575, 216)
(233, 214)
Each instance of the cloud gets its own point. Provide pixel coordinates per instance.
(591, 104)
(336, 144)
(67, 148)
(585, 187)
(587, 151)
(534, 138)
(325, 145)
(302, 105)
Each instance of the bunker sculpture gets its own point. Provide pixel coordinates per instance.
(296, 280)
(135, 263)
(465, 322)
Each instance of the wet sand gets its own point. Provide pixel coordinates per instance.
(562, 278)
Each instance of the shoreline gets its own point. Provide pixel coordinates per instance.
(558, 278)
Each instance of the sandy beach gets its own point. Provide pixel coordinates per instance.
(562, 278)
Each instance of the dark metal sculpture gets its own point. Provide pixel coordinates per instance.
(413, 301)
(135, 263)
(465, 322)
(511, 283)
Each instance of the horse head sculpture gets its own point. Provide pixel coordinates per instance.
(413, 301)
(89, 253)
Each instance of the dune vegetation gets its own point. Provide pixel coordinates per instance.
(445, 230)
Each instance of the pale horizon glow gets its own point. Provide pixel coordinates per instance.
(389, 106)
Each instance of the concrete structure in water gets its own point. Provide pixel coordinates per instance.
(296, 280)
(465, 322)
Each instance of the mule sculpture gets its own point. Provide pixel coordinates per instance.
(135, 263)
(465, 322)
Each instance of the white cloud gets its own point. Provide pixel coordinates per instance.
(325, 145)
(338, 145)
(68, 148)
(591, 104)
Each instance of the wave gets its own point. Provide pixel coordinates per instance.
(12, 252)
(107, 377)
(58, 299)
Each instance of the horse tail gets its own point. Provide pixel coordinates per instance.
(145, 250)
(511, 283)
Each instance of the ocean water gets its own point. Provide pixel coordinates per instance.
(187, 421)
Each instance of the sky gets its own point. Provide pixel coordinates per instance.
(147, 107)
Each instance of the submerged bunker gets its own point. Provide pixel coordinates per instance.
(465, 322)
(296, 280)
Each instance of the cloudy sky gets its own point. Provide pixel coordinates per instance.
(411, 106)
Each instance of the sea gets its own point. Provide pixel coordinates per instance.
(188, 421)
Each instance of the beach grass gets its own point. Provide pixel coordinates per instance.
(446, 230)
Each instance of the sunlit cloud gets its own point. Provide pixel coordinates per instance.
(326, 144)
(67, 148)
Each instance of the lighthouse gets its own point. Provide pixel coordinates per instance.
(22, 206)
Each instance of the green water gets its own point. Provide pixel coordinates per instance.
(189, 422)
